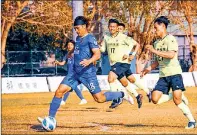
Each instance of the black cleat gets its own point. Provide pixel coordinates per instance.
(115, 103)
(139, 100)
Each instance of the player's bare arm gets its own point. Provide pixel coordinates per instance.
(60, 63)
(148, 69)
(95, 57)
(164, 54)
(137, 47)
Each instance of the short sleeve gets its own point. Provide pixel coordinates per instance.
(130, 41)
(93, 43)
(172, 44)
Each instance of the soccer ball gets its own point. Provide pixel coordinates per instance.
(49, 123)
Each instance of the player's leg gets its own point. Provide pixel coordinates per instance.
(63, 88)
(177, 88)
(91, 82)
(117, 72)
(160, 92)
(112, 76)
(65, 98)
(79, 94)
(138, 83)
(55, 103)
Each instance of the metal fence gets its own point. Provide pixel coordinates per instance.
(32, 63)
(41, 63)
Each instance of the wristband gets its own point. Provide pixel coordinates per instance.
(134, 53)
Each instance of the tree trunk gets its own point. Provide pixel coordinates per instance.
(3, 42)
(6, 27)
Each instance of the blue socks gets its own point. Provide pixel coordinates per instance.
(79, 94)
(55, 104)
(66, 96)
(113, 95)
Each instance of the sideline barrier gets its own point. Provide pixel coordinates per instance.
(53, 82)
(46, 84)
(195, 77)
(188, 79)
(24, 84)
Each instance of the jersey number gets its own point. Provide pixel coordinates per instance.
(112, 50)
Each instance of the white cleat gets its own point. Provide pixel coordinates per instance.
(40, 119)
(62, 103)
(83, 101)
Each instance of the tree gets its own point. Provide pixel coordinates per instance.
(41, 17)
(138, 16)
(183, 14)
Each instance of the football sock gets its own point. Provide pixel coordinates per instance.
(55, 104)
(164, 98)
(79, 93)
(66, 96)
(113, 95)
(186, 111)
(141, 85)
(132, 90)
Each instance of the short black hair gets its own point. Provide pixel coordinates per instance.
(81, 20)
(162, 19)
(121, 24)
(113, 21)
(70, 41)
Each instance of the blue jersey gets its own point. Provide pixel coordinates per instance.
(83, 50)
(69, 62)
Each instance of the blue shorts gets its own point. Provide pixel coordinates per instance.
(68, 80)
(165, 83)
(87, 78)
(121, 70)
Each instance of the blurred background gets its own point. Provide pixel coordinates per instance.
(34, 33)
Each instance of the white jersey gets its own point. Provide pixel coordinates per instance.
(117, 47)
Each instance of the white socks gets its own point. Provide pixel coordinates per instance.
(141, 85)
(132, 90)
(186, 111)
(164, 98)
(113, 86)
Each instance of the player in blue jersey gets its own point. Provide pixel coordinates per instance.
(85, 53)
(69, 60)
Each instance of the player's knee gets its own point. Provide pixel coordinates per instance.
(110, 79)
(154, 100)
(131, 79)
(99, 98)
(58, 93)
(177, 100)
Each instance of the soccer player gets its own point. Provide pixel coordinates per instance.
(165, 50)
(121, 27)
(70, 45)
(85, 53)
(119, 46)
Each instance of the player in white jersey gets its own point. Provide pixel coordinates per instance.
(165, 50)
(118, 47)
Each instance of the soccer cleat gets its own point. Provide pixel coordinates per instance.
(149, 97)
(83, 101)
(191, 125)
(62, 103)
(116, 103)
(40, 119)
(139, 100)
